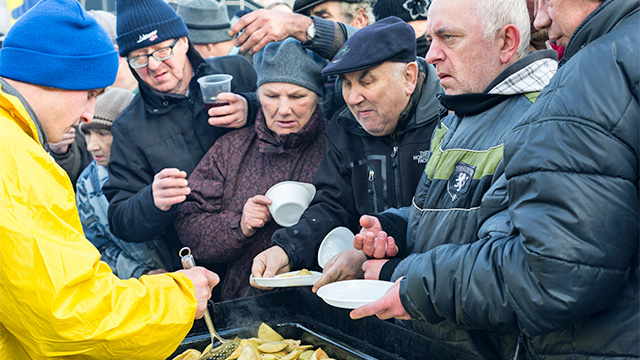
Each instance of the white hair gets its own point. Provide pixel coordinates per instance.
(495, 14)
(350, 11)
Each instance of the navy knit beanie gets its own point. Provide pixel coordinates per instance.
(287, 61)
(143, 23)
(58, 44)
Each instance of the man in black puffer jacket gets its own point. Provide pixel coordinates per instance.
(375, 148)
(559, 257)
(160, 138)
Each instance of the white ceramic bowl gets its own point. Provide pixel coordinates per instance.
(336, 241)
(351, 294)
(289, 199)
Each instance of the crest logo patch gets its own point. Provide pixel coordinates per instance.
(342, 53)
(460, 180)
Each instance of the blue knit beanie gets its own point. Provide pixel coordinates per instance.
(143, 23)
(58, 44)
(287, 61)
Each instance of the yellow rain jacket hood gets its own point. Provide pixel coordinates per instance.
(57, 299)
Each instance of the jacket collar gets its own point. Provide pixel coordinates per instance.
(308, 134)
(26, 119)
(529, 74)
(601, 21)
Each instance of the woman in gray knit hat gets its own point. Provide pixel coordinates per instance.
(225, 219)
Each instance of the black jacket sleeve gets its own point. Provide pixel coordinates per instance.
(332, 206)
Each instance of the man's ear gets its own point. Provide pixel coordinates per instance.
(410, 77)
(508, 42)
(360, 20)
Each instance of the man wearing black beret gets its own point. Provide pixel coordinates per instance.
(376, 147)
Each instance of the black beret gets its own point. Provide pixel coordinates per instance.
(302, 5)
(389, 39)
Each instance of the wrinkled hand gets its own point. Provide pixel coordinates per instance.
(388, 306)
(169, 188)
(62, 146)
(372, 268)
(268, 264)
(255, 214)
(373, 240)
(203, 282)
(264, 26)
(345, 265)
(233, 115)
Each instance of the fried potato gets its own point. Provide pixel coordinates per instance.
(292, 355)
(319, 354)
(306, 355)
(303, 272)
(249, 353)
(190, 354)
(269, 345)
(266, 333)
(268, 357)
(273, 347)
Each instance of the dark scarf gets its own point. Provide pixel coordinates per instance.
(410, 109)
(269, 142)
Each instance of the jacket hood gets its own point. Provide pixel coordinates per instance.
(426, 109)
(601, 21)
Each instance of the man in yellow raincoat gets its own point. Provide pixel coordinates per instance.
(57, 299)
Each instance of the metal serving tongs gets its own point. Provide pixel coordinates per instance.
(227, 347)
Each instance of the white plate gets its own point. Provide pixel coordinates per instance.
(336, 241)
(280, 281)
(351, 294)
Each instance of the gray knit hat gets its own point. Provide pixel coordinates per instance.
(107, 20)
(207, 21)
(108, 107)
(287, 61)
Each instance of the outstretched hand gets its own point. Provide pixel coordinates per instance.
(373, 241)
(260, 27)
(388, 306)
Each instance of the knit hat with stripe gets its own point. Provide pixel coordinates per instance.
(143, 23)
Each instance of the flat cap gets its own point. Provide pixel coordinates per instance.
(389, 39)
(300, 6)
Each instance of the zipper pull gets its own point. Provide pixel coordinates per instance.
(372, 175)
(395, 151)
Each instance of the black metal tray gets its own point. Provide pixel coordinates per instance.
(296, 331)
(297, 313)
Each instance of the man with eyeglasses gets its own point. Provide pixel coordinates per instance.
(160, 138)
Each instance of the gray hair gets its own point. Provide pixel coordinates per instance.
(495, 14)
(350, 10)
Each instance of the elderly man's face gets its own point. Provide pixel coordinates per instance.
(329, 10)
(465, 61)
(562, 17)
(168, 76)
(376, 96)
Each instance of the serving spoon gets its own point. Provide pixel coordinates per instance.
(227, 346)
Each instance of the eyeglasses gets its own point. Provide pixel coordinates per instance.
(161, 54)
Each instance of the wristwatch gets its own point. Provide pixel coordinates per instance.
(311, 32)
